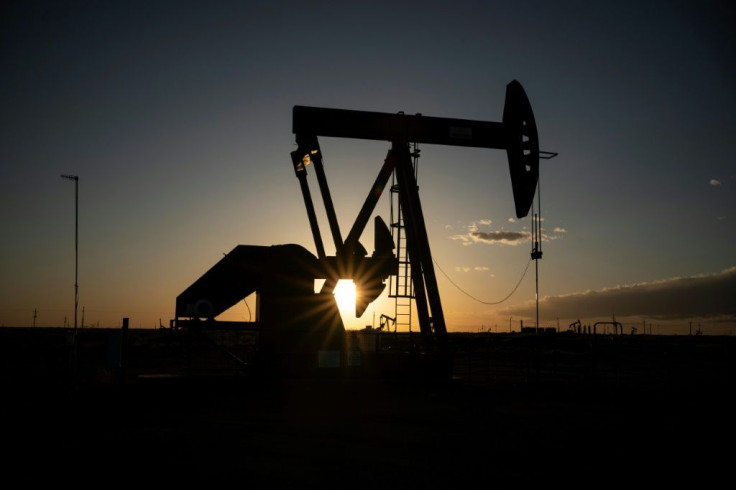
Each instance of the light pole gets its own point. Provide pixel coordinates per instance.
(75, 178)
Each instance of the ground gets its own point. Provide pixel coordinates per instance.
(517, 410)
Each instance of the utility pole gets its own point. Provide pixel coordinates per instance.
(538, 237)
(536, 255)
(75, 178)
(73, 354)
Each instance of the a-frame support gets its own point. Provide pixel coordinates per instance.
(517, 134)
(427, 296)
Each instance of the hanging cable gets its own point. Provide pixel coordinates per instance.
(537, 237)
(537, 246)
(539, 213)
(478, 300)
(250, 314)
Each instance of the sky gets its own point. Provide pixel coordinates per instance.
(176, 116)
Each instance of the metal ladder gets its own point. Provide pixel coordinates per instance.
(401, 287)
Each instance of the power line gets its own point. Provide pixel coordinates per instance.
(478, 300)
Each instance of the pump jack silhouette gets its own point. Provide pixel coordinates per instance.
(301, 330)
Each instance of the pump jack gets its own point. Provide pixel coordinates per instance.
(294, 322)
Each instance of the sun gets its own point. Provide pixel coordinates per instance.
(345, 295)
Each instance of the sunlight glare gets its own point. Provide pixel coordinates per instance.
(345, 295)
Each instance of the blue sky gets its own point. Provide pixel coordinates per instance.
(177, 118)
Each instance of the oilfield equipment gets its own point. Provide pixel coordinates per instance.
(300, 330)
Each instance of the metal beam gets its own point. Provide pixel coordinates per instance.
(344, 123)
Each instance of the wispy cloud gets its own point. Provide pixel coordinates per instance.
(701, 296)
(503, 237)
(477, 268)
(475, 235)
(715, 182)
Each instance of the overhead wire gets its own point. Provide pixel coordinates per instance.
(479, 300)
(250, 314)
(536, 247)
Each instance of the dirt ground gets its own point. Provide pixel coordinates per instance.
(517, 410)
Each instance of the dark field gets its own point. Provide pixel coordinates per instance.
(561, 409)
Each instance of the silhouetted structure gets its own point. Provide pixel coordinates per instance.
(302, 329)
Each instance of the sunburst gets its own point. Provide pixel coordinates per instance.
(345, 295)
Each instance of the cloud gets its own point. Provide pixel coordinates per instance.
(702, 296)
(503, 237)
(468, 269)
(715, 182)
(475, 235)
